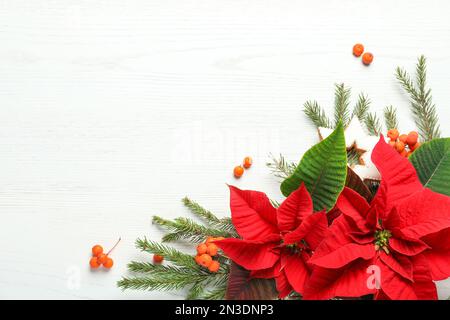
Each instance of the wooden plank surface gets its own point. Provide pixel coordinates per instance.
(112, 111)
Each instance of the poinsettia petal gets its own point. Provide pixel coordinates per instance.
(361, 237)
(252, 214)
(294, 209)
(296, 271)
(394, 285)
(268, 273)
(407, 247)
(397, 174)
(313, 230)
(283, 286)
(424, 213)
(439, 256)
(349, 281)
(251, 254)
(344, 255)
(399, 264)
(337, 236)
(353, 205)
(423, 285)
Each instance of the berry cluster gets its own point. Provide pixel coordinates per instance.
(358, 50)
(100, 258)
(405, 144)
(239, 170)
(205, 253)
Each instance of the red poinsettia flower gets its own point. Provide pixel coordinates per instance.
(392, 248)
(276, 243)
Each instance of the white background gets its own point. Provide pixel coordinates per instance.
(112, 111)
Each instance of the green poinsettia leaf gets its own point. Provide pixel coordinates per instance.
(432, 163)
(323, 170)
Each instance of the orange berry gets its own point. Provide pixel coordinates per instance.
(204, 260)
(392, 143)
(393, 134)
(412, 138)
(238, 171)
(101, 258)
(414, 147)
(404, 153)
(97, 250)
(202, 248)
(108, 263)
(209, 240)
(197, 259)
(214, 266)
(409, 154)
(212, 249)
(94, 263)
(403, 138)
(367, 58)
(219, 238)
(158, 258)
(358, 50)
(247, 162)
(399, 146)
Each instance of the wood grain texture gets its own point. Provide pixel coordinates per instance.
(111, 111)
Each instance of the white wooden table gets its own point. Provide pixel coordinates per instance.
(112, 111)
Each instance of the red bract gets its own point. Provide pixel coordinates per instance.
(276, 243)
(392, 248)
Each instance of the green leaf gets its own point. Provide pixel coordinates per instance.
(432, 163)
(323, 169)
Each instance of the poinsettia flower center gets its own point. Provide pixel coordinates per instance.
(296, 248)
(382, 240)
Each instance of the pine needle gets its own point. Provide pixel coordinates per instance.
(199, 211)
(373, 124)
(279, 167)
(362, 107)
(170, 254)
(341, 104)
(187, 229)
(422, 106)
(316, 114)
(390, 118)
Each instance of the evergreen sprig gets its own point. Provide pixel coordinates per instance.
(341, 104)
(279, 167)
(316, 114)
(187, 229)
(390, 118)
(170, 254)
(422, 106)
(362, 107)
(182, 273)
(223, 224)
(373, 124)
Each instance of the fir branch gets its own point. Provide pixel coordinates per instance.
(390, 118)
(215, 294)
(422, 106)
(316, 114)
(362, 107)
(223, 224)
(341, 104)
(199, 211)
(279, 167)
(170, 254)
(187, 229)
(373, 124)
